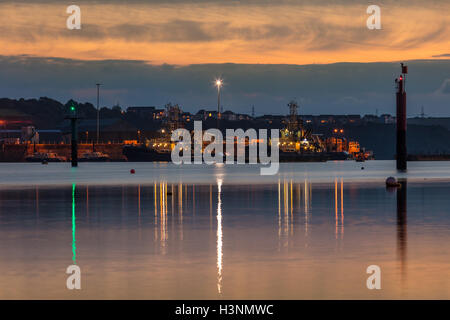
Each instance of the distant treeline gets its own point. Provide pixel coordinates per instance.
(47, 113)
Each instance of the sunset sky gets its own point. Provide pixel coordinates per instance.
(180, 33)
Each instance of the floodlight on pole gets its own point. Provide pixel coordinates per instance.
(98, 110)
(219, 84)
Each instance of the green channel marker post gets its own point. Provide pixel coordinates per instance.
(74, 140)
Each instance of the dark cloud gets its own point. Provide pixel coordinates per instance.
(336, 88)
(444, 55)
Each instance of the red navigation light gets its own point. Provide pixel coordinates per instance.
(401, 78)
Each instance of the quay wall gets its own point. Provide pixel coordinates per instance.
(18, 152)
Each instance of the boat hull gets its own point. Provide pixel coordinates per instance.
(143, 154)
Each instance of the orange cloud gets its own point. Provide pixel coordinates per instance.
(190, 33)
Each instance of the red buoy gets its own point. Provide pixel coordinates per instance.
(132, 171)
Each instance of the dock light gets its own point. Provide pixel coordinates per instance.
(342, 131)
(219, 84)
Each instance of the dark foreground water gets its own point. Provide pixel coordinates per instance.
(308, 233)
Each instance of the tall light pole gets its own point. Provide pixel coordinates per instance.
(98, 110)
(219, 84)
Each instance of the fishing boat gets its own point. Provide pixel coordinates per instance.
(94, 156)
(45, 157)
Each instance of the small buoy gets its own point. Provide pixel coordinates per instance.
(392, 182)
(44, 162)
(362, 168)
(132, 171)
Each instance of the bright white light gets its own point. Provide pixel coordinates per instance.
(219, 236)
(219, 83)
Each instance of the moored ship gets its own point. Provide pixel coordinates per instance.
(144, 153)
(296, 143)
(45, 157)
(94, 156)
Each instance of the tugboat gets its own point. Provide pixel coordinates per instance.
(339, 156)
(144, 153)
(45, 157)
(298, 144)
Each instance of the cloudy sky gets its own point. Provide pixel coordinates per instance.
(268, 52)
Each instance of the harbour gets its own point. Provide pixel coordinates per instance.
(201, 159)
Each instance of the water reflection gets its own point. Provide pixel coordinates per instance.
(87, 200)
(276, 237)
(160, 195)
(402, 234)
(339, 218)
(219, 236)
(37, 201)
(74, 242)
(289, 208)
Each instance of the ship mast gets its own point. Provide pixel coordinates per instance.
(293, 123)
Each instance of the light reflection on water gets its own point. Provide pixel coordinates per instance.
(219, 236)
(118, 173)
(283, 240)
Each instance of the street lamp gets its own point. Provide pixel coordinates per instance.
(98, 110)
(219, 84)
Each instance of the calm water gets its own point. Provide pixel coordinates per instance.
(213, 232)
